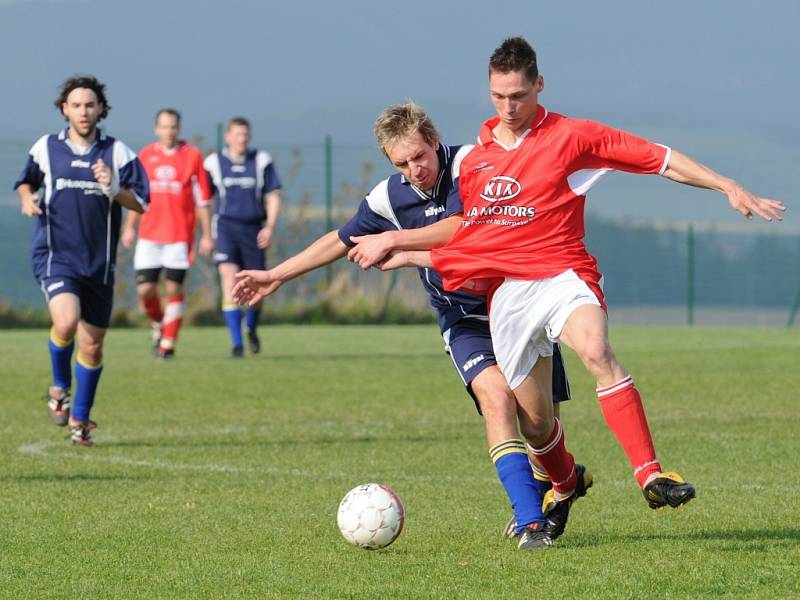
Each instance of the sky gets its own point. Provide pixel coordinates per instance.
(715, 78)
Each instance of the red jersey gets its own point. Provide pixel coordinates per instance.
(173, 177)
(523, 206)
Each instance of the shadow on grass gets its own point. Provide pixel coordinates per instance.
(750, 536)
(285, 443)
(67, 477)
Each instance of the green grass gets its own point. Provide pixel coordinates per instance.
(215, 478)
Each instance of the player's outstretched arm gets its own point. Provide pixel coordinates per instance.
(686, 170)
(371, 249)
(252, 286)
(28, 201)
(398, 259)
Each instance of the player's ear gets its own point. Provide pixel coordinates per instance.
(539, 84)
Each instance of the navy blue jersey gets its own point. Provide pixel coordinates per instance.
(397, 204)
(78, 231)
(239, 186)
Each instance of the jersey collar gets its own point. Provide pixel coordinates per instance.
(486, 135)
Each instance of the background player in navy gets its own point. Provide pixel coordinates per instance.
(423, 195)
(246, 209)
(83, 179)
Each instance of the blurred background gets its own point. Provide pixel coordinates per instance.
(712, 79)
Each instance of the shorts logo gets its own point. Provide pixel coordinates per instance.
(472, 362)
(54, 286)
(220, 256)
(500, 188)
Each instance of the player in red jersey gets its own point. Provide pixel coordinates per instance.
(521, 242)
(166, 233)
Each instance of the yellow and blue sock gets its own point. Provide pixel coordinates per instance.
(233, 319)
(252, 317)
(61, 360)
(87, 378)
(510, 458)
(541, 478)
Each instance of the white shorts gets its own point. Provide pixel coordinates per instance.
(154, 255)
(527, 316)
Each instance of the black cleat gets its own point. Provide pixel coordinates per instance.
(556, 512)
(165, 353)
(253, 341)
(58, 405)
(510, 530)
(534, 537)
(237, 352)
(668, 489)
(80, 433)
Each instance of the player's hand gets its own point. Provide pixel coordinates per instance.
(369, 250)
(253, 286)
(105, 177)
(264, 238)
(206, 246)
(128, 237)
(29, 206)
(747, 204)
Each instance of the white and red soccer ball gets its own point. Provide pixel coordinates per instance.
(371, 516)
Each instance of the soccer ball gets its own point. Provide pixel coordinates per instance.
(371, 516)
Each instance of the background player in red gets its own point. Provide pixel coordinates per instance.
(521, 242)
(179, 197)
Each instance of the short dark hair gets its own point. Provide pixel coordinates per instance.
(238, 121)
(515, 54)
(84, 81)
(169, 111)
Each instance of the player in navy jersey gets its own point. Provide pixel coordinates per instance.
(246, 209)
(412, 209)
(75, 184)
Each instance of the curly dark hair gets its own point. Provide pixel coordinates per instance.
(90, 83)
(515, 54)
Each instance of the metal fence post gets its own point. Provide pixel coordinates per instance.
(328, 197)
(690, 275)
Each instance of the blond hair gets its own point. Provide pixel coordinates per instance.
(398, 122)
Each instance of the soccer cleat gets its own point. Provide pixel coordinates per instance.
(155, 338)
(165, 353)
(510, 530)
(237, 352)
(556, 512)
(58, 405)
(80, 433)
(253, 341)
(668, 489)
(534, 537)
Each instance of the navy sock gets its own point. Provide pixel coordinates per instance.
(233, 318)
(253, 315)
(61, 361)
(511, 461)
(87, 380)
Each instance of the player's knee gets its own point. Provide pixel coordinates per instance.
(497, 404)
(596, 354)
(536, 430)
(65, 329)
(91, 353)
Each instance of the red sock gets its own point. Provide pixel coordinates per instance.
(622, 409)
(152, 307)
(173, 317)
(558, 463)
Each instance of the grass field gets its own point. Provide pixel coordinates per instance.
(215, 478)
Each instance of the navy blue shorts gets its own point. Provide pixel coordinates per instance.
(235, 242)
(96, 298)
(469, 345)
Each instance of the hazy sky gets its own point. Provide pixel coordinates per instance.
(688, 71)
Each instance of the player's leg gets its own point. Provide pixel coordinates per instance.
(469, 344)
(147, 262)
(230, 310)
(64, 309)
(96, 301)
(253, 257)
(586, 332)
(174, 311)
